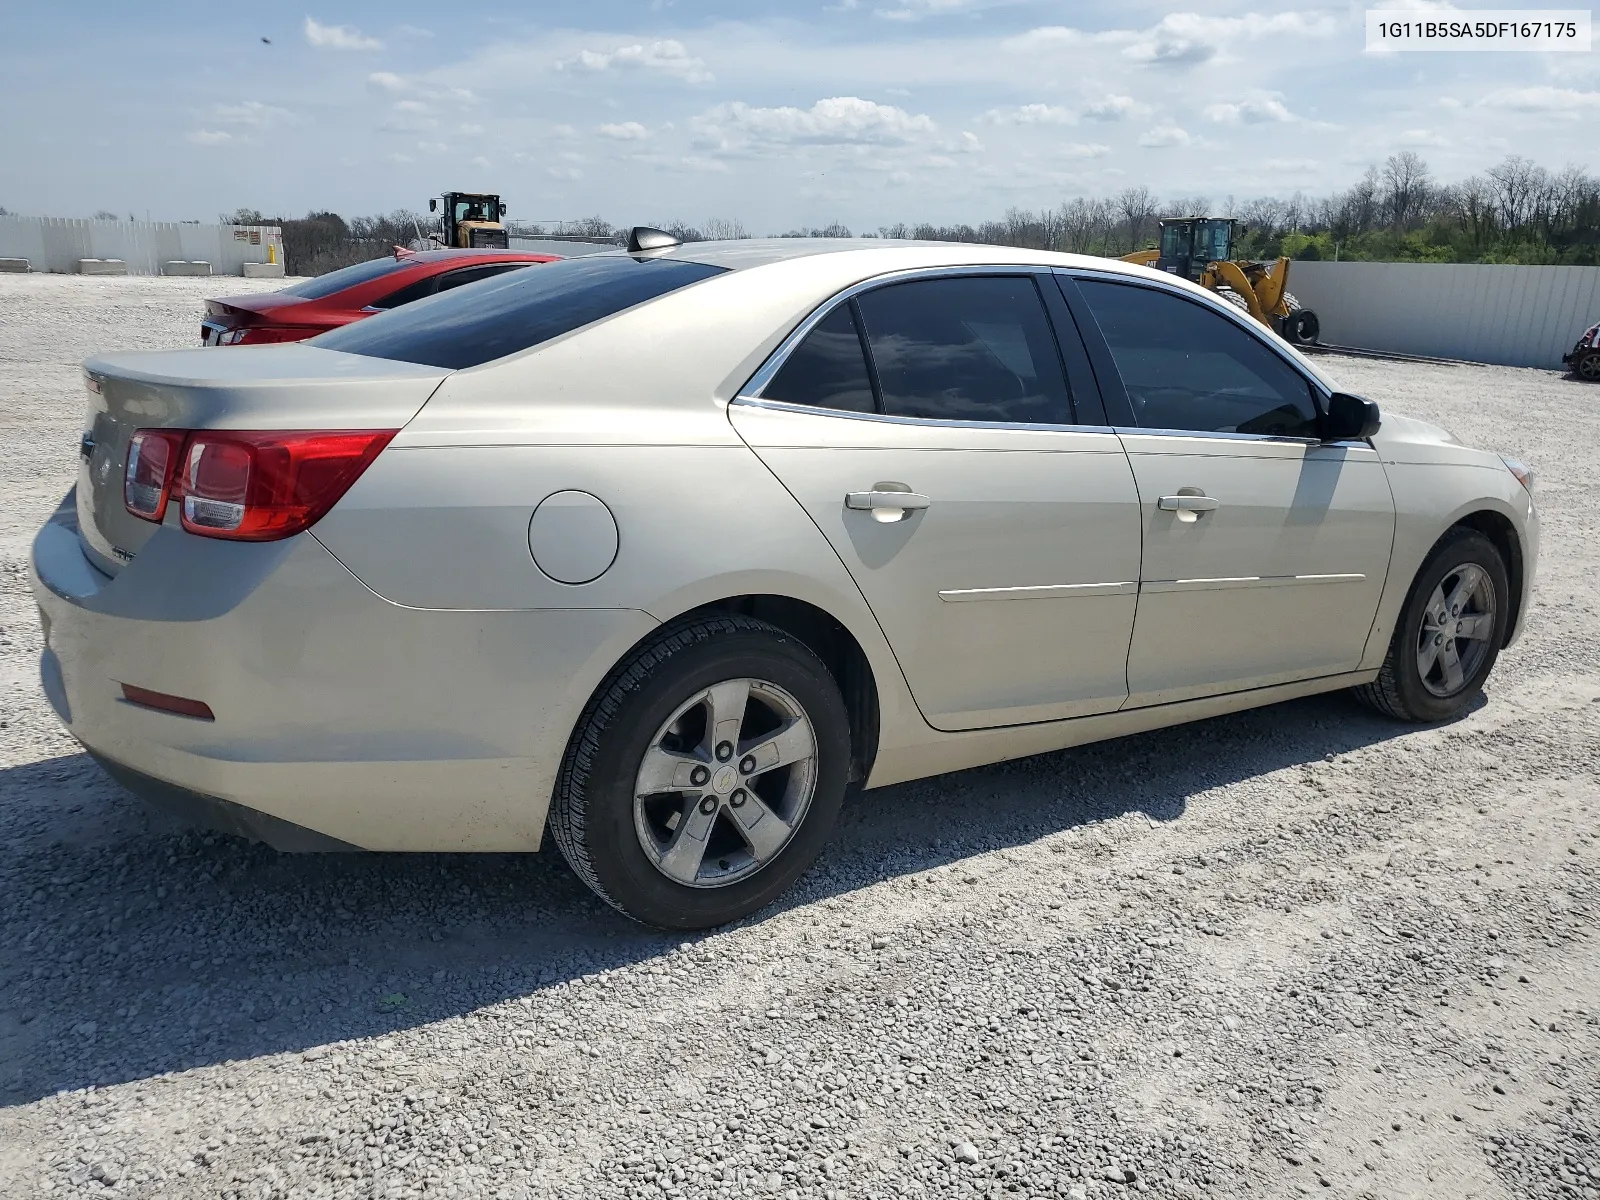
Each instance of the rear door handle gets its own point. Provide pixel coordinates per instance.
(886, 505)
(1194, 504)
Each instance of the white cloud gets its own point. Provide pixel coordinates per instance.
(563, 172)
(836, 121)
(1293, 166)
(1082, 150)
(625, 131)
(208, 137)
(969, 143)
(470, 129)
(251, 113)
(1559, 101)
(481, 161)
(1031, 114)
(388, 81)
(1165, 135)
(1257, 111)
(1178, 39)
(1181, 39)
(669, 57)
(1421, 137)
(1113, 107)
(338, 37)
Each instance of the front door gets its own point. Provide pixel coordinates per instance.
(997, 545)
(1265, 550)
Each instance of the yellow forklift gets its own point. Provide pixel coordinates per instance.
(471, 219)
(1201, 250)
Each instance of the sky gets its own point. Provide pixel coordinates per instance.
(865, 112)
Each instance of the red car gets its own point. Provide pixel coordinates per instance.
(339, 297)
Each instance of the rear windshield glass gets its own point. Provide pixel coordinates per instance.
(345, 277)
(496, 317)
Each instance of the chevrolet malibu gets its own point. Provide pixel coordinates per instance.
(666, 547)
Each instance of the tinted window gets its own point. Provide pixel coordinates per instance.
(1186, 367)
(444, 282)
(828, 369)
(972, 348)
(497, 317)
(337, 281)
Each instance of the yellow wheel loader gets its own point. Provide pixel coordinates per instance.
(1201, 250)
(471, 219)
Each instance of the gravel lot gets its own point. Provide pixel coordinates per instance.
(1298, 950)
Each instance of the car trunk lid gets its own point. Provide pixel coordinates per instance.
(292, 386)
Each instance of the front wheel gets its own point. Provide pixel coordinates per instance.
(706, 775)
(1449, 633)
(1588, 367)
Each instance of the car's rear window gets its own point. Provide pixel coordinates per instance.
(490, 319)
(345, 277)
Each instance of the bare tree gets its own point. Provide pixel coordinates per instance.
(1473, 203)
(1406, 184)
(1517, 183)
(724, 229)
(1136, 206)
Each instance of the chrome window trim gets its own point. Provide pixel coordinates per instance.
(753, 386)
(848, 414)
(1243, 320)
(1285, 439)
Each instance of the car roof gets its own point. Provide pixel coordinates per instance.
(760, 252)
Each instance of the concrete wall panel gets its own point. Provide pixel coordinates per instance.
(57, 243)
(1516, 316)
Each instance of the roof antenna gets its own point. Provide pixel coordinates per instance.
(643, 237)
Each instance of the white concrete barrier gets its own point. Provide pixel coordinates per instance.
(180, 266)
(102, 266)
(14, 266)
(269, 270)
(57, 243)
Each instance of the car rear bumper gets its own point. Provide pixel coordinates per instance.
(339, 717)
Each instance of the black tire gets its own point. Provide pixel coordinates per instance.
(1301, 327)
(592, 812)
(1588, 367)
(1399, 691)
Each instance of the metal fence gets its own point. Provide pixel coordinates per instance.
(1514, 316)
(57, 243)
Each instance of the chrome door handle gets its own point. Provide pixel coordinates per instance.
(1194, 504)
(886, 505)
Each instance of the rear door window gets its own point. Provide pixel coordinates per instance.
(1187, 367)
(968, 348)
(466, 327)
(828, 369)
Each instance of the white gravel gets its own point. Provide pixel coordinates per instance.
(1299, 950)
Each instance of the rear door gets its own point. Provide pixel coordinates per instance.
(1265, 549)
(928, 428)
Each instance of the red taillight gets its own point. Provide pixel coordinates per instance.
(152, 457)
(255, 486)
(261, 335)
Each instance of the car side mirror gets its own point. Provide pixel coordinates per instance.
(433, 205)
(1350, 418)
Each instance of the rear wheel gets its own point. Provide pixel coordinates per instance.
(706, 776)
(1449, 633)
(1588, 367)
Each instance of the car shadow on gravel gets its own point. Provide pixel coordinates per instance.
(130, 948)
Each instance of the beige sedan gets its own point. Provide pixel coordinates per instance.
(666, 548)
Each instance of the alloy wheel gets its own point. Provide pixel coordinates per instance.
(725, 783)
(1456, 627)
